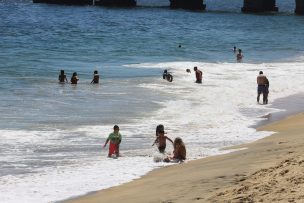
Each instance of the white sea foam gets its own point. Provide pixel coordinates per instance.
(208, 116)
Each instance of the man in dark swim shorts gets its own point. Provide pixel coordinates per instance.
(263, 85)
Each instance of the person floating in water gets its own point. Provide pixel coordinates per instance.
(263, 85)
(115, 140)
(62, 77)
(74, 78)
(179, 153)
(167, 76)
(239, 56)
(234, 49)
(161, 141)
(95, 77)
(198, 75)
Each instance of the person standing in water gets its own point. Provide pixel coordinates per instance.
(74, 78)
(239, 56)
(263, 85)
(198, 75)
(95, 78)
(62, 77)
(161, 141)
(115, 140)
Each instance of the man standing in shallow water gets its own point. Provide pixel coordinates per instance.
(263, 85)
(198, 75)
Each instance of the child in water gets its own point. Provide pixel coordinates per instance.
(179, 153)
(115, 140)
(161, 140)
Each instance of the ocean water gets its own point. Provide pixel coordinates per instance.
(51, 135)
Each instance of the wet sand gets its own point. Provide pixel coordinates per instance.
(289, 105)
(268, 170)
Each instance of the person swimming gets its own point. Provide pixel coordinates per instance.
(167, 76)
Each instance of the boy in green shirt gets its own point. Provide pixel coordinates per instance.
(115, 140)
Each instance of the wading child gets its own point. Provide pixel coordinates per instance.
(161, 141)
(115, 140)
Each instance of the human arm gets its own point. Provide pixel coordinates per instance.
(119, 141)
(169, 139)
(155, 141)
(105, 144)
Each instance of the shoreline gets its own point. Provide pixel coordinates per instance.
(212, 182)
(290, 105)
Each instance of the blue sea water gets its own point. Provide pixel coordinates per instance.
(46, 125)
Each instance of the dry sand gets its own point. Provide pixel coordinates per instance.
(269, 170)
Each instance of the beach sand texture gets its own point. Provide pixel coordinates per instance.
(268, 170)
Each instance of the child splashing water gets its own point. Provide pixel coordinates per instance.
(161, 141)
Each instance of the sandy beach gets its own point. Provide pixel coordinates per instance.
(268, 170)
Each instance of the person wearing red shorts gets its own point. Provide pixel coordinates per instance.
(115, 140)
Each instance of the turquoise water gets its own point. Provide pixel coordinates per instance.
(46, 126)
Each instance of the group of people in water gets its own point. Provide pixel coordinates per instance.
(74, 79)
(179, 152)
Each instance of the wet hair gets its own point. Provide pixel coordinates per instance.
(62, 72)
(178, 141)
(165, 71)
(116, 127)
(75, 74)
(261, 72)
(240, 50)
(195, 68)
(188, 70)
(160, 128)
(95, 72)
